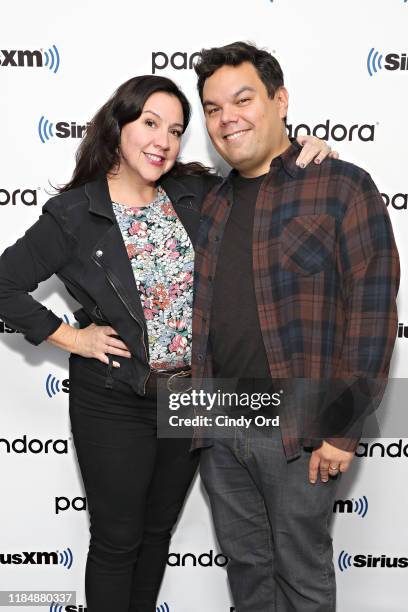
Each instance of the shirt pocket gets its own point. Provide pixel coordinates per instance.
(307, 244)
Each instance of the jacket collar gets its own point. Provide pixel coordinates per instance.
(176, 189)
(100, 202)
(98, 194)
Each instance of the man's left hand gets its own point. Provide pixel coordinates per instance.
(328, 461)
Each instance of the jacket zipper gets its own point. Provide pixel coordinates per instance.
(110, 278)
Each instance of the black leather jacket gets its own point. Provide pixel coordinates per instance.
(78, 239)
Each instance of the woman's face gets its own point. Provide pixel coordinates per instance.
(150, 145)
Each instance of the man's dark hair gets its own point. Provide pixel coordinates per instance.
(237, 53)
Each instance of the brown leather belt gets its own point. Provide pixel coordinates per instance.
(172, 378)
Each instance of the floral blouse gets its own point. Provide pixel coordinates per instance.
(162, 259)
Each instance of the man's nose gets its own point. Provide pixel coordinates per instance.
(228, 114)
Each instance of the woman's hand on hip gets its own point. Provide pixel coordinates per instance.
(97, 341)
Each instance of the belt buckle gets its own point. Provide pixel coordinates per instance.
(181, 374)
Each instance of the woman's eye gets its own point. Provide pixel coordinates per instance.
(177, 133)
(150, 122)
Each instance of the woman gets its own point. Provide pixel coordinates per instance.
(120, 236)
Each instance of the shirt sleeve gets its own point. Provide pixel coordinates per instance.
(41, 252)
(368, 265)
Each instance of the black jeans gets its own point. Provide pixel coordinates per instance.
(135, 486)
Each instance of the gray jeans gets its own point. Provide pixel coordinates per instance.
(272, 523)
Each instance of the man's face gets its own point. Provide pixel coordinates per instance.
(243, 122)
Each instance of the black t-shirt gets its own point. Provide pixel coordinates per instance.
(235, 335)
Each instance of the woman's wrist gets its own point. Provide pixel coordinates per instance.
(65, 337)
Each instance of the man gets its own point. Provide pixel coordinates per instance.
(296, 278)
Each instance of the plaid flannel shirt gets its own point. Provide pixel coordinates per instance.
(326, 276)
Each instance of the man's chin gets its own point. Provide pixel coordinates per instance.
(236, 159)
(240, 163)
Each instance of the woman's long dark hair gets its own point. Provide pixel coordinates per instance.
(98, 152)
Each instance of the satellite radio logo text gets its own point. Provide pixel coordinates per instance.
(57, 607)
(63, 129)
(392, 61)
(52, 385)
(39, 58)
(346, 561)
(402, 330)
(64, 558)
(6, 329)
(351, 506)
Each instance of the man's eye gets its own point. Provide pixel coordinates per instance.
(242, 100)
(212, 111)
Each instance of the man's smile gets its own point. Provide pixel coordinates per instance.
(235, 135)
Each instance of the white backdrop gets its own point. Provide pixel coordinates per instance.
(83, 52)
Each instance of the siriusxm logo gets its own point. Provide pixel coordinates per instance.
(5, 329)
(337, 132)
(18, 196)
(179, 60)
(35, 446)
(402, 330)
(64, 558)
(204, 560)
(350, 506)
(63, 129)
(392, 61)
(57, 607)
(346, 561)
(164, 607)
(64, 503)
(52, 385)
(17, 58)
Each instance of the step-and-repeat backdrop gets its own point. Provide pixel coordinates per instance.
(346, 69)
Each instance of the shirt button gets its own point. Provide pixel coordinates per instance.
(199, 357)
(99, 253)
(217, 239)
